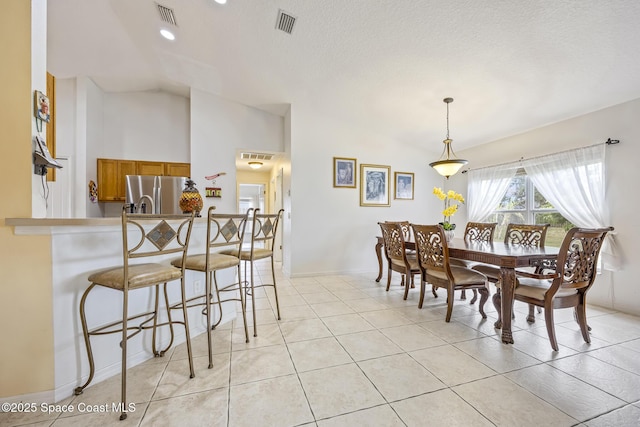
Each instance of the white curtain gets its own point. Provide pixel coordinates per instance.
(574, 183)
(486, 188)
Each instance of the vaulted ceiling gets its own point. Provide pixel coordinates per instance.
(510, 65)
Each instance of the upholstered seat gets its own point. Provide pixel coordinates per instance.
(217, 261)
(143, 236)
(435, 268)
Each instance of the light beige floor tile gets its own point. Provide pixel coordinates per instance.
(208, 408)
(450, 365)
(17, 414)
(399, 377)
(482, 325)
(615, 328)
(611, 379)
(316, 354)
(103, 415)
(349, 294)
(619, 356)
(331, 308)
(418, 315)
(297, 281)
(267, 335)
(338, 286)
(571, 338)
(365, 304)
(451, 332)
(507, 404)
(347, 324)
(272, 402)
(385, 318)
(304, 330)
(626, 416)
(299, 312)
(319, 297)
(441, 407)
(496, 355)
(537, 346)
(141, 383)
(175, 383)
(382, 416)
(260, 363)
(554, 386)
(263, 317)
(368, 345)
(309, 288)
(412, 337)
(339, 390)
(291, 300)
(632, 345)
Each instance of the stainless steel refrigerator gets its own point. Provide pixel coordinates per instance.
(154, 194)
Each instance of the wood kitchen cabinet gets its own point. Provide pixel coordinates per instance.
(112, 173)
(111, 179)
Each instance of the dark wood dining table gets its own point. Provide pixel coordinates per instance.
(507, 257)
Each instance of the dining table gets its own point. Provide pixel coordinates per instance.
(506, 256)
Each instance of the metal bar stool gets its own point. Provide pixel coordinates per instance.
(225, 235)
(145, 237)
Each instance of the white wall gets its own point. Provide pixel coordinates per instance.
(330, 232)
(218, 129)
(615, 290)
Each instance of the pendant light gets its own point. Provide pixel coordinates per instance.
(448, 164)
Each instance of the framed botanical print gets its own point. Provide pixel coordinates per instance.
(403, 185)
(374, 185)
(344, 172)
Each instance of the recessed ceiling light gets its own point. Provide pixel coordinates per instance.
(220, 1)
(167, 34)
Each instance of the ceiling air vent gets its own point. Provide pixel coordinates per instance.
(285, 21)
(167, 15)
(256, 156)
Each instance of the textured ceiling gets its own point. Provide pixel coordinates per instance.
(510, 65)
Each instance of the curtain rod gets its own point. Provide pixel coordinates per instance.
(609, 141)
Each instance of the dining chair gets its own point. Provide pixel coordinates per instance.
(225, 236)
(478, 232)
(148, 238)
(530, 235)
(397, 257)
(436, 268)
(263, 240)
(406, 234)
(575, 273)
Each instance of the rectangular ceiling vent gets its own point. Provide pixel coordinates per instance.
(285, 21)
(256, 156)
(167, 15)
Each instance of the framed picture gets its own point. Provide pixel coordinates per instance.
(374, 185)
(344, 172)
(403, 185)
(41, 106)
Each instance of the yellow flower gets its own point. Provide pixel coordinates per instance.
(449, 207)
(439, 193)
(450, 210)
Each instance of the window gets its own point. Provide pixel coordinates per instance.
(523, 204)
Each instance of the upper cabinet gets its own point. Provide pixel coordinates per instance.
(112, 173)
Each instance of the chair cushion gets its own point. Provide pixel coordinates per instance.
(461, 276)
(535, 288)
(412, 260)
(258, 253)
(140, 275)
(217, 261)
(491, 271)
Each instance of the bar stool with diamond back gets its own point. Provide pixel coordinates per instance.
(225, 233)
(263, 239)
(145, 237)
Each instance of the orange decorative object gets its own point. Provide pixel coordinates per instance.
(191, 200)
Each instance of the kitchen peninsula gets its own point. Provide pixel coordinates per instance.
(79, 247)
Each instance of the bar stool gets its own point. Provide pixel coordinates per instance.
(225, 235)
(263, 233)
(145, 237)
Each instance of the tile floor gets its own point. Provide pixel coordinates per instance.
(347, 353)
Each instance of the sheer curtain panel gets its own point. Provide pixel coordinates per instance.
(486, 188)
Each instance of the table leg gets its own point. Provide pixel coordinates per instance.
(508, 278)
(379, 255)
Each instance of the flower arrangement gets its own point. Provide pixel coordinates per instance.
(450, 208)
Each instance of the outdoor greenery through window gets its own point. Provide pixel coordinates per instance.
(523, 204)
